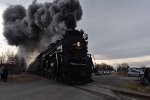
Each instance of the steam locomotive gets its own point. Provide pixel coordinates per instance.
(66, 60)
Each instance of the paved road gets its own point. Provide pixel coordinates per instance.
(43, 89)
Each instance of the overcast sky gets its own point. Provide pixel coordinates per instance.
(119, 30)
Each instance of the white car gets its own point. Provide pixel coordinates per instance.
(100, 72)
(135, 73)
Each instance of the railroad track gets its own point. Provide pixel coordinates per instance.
(109, 93)
(105, 94)
(139, 96)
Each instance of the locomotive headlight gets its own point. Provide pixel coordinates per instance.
(78, 44)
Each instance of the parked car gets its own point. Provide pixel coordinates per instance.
(100, 72)
(107, 72)
(135, 73)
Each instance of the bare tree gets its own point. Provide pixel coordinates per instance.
(104, 66)
(123, 67)
(2, 58)
(10, 56)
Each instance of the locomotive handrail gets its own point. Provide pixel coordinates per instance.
(78, 64)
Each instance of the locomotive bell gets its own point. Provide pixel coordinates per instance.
(85, 36)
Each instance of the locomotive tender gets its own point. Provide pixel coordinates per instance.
(66, 60)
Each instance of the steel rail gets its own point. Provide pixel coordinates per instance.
(105, 96)
(128, 93)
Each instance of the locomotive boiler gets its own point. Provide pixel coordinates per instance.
(66, 60)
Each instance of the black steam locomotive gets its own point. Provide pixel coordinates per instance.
(66, 60)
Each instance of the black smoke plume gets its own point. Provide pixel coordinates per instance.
(32, 29)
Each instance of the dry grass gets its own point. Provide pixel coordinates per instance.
(121, 74)
(134, 86)
(22, 78)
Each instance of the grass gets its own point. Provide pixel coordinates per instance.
(121, 74)
(131, 85)
(22, 78)
(134, 86)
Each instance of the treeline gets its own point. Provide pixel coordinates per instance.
(103, 67)
(120, 67)
(123, 67)
(14, 63)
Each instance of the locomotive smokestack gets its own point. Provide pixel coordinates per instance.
(32, 29)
